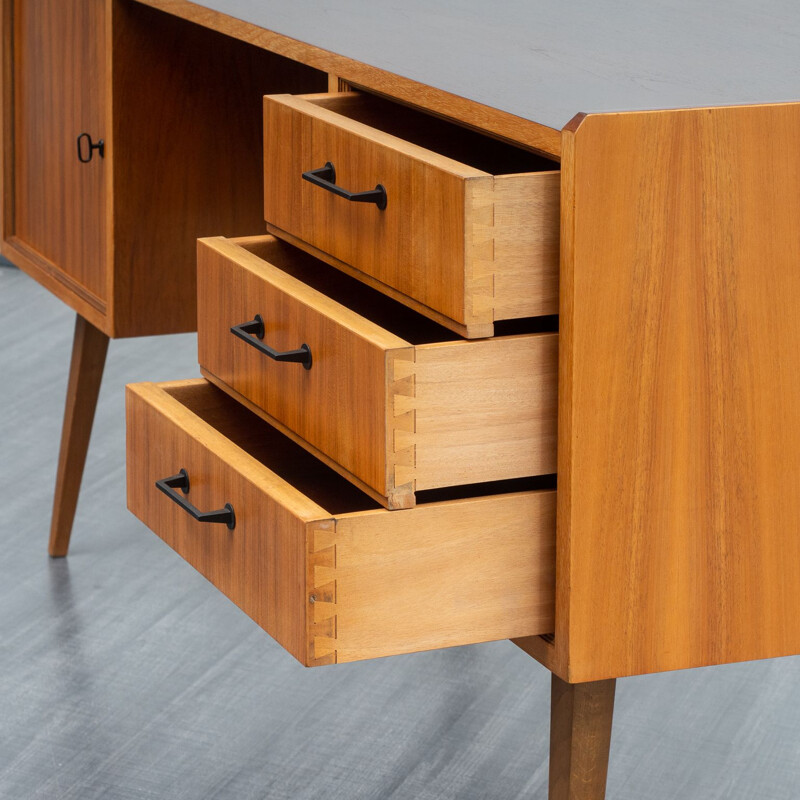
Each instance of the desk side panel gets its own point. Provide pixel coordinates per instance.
(679, 441)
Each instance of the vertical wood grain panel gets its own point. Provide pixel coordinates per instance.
(679, 450)
(187, 133)
(59, 93)
(526, 244)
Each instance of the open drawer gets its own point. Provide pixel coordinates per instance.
(310, 558)
(460, 226)
(395, 402)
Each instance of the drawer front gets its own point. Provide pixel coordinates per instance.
(341, 585)
(59, 204)
(260, 564)
(393, 417)
(461, 244)
(338, 406)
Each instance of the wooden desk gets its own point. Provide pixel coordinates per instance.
(678, 385)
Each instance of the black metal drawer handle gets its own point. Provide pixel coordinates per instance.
(255, 328)
(181, 481)
(325, 177)
(85, 153)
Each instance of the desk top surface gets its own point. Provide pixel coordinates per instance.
(546, 61)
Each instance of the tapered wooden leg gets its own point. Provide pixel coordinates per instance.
(580, 736)
(89, 349)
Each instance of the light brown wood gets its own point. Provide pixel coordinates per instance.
(474, 331)
(525, 231)
(311, 559)
(339, 404)
(290, 434)
(437, 101)
(678, 443)
(400, 405)
(191, 165)
(468, 258)
(336, 84)
(478, 411)
(580, 736)
(401, 576)
(73, 66)
(124, 259)
(56, 90)
(89, 349)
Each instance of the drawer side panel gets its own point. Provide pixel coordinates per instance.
(483, 410)
(526, 244)
(443, 575)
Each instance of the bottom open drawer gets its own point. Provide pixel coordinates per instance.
(320, 566)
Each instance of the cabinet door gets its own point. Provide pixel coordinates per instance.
(59, 210)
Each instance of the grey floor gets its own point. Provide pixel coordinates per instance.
(123, 674)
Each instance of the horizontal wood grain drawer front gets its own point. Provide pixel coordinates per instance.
(314, 561)
(396, 402)
(470, 229)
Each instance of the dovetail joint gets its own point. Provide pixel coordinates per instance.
(481, 255)
(402, 423)
(322, 622)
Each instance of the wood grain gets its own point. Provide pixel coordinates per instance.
(483, 411)
(260, 564)
(331, 585)
(483, 117)
(525, 235)
(59, 51)
(89, 349)
(87, 304)
(190, 166)
(453, 261)
(94, 66)
(395, 407)
(7, 119)
(443, 574)
(474, 331)
(581, 715)
(678, 441)
(338, 405)
(290, 434)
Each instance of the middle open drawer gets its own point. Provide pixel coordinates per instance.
(390, 399)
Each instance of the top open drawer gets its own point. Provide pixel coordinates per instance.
(465, 229)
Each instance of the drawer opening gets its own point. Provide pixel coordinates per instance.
(433, 133)
(529, 484)
(304, 471)
(269, 446)
(371, 304)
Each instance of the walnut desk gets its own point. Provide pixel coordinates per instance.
(574, 251)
